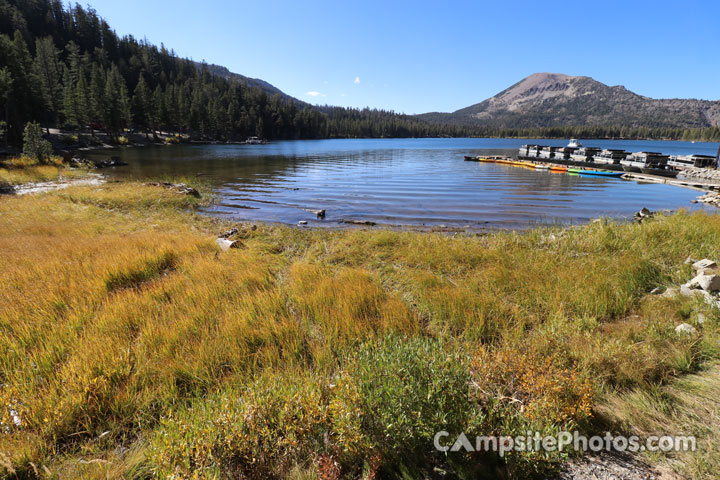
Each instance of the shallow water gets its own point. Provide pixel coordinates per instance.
(407, 182)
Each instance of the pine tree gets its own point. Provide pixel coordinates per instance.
(70, 107)
(115, 99)
(142, 104)
(96, 96)
(48, 69)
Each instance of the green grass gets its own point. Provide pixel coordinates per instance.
(133, 347)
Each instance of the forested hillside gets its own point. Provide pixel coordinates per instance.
(66, 66)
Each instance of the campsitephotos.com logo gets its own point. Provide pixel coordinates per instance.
(536, 442)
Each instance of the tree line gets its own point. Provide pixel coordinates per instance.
(65, 66)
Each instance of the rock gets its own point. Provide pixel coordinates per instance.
(302, 222)
(226, 244)
(689, 260)
(112, 162)
(360, 222)
(318, 213)
(685, 328)
(229, 233)
(700, 319)
(687, 291)
(703, 264)
(178, 187)
(644, 213)
(253, 228)
(656, 291)
(670, 293)
(709, 283)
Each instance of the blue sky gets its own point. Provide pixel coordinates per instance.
(420, 56)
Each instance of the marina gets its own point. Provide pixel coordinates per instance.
(646, 166)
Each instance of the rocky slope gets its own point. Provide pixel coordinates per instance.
(553, 99)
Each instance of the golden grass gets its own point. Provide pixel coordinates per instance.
(687, 406)
(124, 328)
(19, 170)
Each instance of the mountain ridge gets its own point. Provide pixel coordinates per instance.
(556, 99)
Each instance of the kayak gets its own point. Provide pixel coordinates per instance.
(542, 167)
(485, 159)
(471, 159)
(558, 169)
(601, 173)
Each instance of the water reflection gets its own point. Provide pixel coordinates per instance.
(400, 182)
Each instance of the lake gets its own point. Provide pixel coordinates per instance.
(404, 182)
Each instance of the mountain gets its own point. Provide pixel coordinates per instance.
(223, 72)
(555, 99)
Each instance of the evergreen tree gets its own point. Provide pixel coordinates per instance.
(142, 105)
(116, 104)
(49, 73)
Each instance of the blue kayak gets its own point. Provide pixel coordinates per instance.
(601, 173)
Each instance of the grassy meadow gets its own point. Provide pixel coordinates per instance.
(132, 347)
(20, 170)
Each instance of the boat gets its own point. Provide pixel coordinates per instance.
(635, 162)
(558, 168)
(601, 173)
(255, 141)
(468, 158)
(574, 143)
(573, 170)
(487, 159)
(685, 161)
(539, 166)
(610, 156)
(584, 155)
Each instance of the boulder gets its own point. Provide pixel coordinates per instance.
(685, 328)
(689, 260)
(700, 319)
(670, 293)
(228, 233)
(302, 222)
(226, 244)
(688, 291)
(709, 283)
(703, 264)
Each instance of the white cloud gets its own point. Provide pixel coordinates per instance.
(357, 80)
(313, 94)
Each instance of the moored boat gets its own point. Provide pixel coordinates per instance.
(558, 168)
(600, 173)
(469, 158)
(635, 162)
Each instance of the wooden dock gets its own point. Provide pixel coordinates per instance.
(694, 184)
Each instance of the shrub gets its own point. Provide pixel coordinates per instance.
(34, 145)
(121, 140)
(70, 139)
(408, 389)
